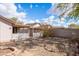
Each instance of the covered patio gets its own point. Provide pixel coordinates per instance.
(24, 32)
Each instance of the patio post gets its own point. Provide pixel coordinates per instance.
(31, 32)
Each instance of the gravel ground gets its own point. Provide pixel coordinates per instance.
(34, 47)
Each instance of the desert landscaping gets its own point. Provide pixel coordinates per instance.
(38, 47)
(39, 29)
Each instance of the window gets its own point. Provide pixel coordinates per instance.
(14, 29)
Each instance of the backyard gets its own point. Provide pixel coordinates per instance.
(53, 31)
(38, 47)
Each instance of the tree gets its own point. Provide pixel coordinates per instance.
(20, 22)
(14, 19)
(72, 25)
(75, 12)
(71, 10)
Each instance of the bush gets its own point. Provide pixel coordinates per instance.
(47, 33)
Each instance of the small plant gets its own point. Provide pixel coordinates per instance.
(47, 32)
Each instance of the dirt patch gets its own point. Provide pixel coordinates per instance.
(39, 51)
(36, 47)
(5, 51)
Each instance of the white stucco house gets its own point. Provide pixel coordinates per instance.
(9, 30)
(5, 29)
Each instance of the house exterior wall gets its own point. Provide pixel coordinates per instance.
(19, 36)
(24, 33)
(38, 34)
(5, 32)
(0, 30)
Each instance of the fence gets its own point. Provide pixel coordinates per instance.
(66, 33)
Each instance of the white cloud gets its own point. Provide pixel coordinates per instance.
(21, 15)
(58, 11)
(31, 21)
(31, 6)
(55, 22)
(10, 10)
(19, 6)
(45, 20)
(37, 20)
(36, 5)
(77, 22)
(48, 20)
(62, 19)
(51, 17)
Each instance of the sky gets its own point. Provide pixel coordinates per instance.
(33, 12)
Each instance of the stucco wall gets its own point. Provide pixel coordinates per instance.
(38, 34)
(5, 32)
(18, 36)
(66, 33)
(0, 30)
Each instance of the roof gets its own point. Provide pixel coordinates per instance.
(22, 26)
(6, 20)
(12, 23)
